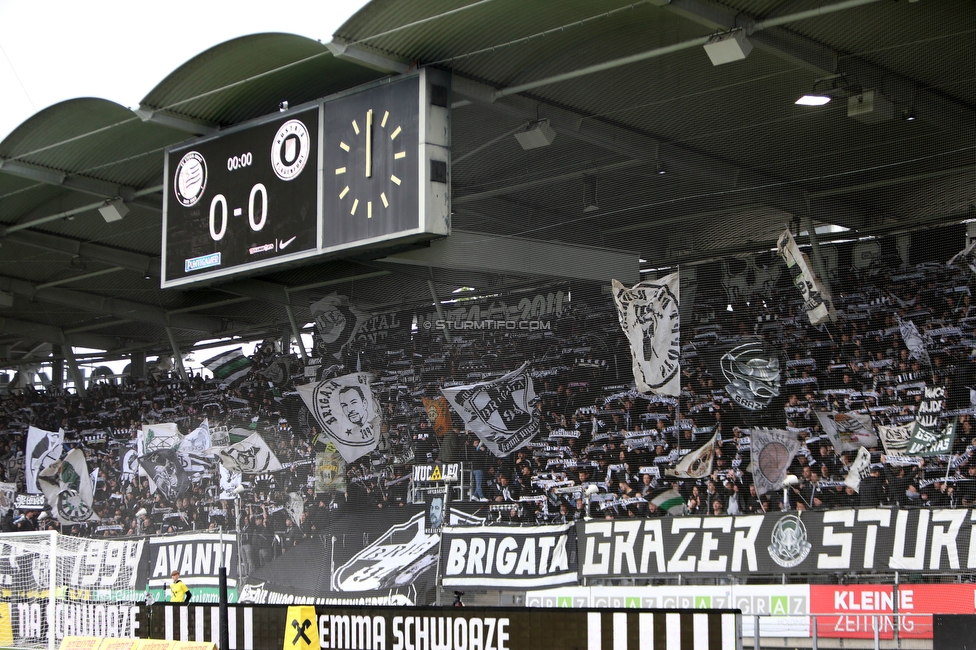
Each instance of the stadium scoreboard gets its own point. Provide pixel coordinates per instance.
(365, 168)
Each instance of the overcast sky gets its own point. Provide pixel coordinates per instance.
(53, 50)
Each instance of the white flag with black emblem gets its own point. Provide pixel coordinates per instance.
(697, 463)
(772, 452)
(848, 430)
(649, 316)
(914, 341)
(859, 469)
(816, 299)
(347, 411)
(249, 456)
(43, 449)
(67, 487)
(501, 412)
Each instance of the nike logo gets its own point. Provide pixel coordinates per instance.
(282, 245)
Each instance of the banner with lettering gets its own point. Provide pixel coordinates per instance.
(198, 557)
(828, 542)
(502, 556)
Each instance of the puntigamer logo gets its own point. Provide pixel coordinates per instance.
(202, 262)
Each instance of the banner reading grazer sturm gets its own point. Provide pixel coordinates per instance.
(347, 411)
(772, 452)
(43, 448)
(923, 540)
(501, 412)
(67, 486)
(649, 316)
(816, 298)
(848, 431)
(502, 556)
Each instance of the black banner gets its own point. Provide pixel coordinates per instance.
(865, 539)
(502, 556)
(451, 628)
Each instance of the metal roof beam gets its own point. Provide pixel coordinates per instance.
(366, 56)
(77, 182)
(178, 122)
(114, 307)
(928, 105)
(88, 250)
(771, 190)
(51, 334)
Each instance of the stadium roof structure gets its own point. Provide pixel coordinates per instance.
(658, 155)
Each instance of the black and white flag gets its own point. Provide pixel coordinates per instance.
(697, 463)
(249, 456)
(895, 438)
(8, 496)
(914, 341)
(336, 322)
(772, 452)
(501, 412)
(751, 370)
(166, 474)
(229, 367)
(966, 255)
(43, 449)
(816, 299)
(67, 487)
(848, 430)
(859, 469)
(650, 318)
(347, 412)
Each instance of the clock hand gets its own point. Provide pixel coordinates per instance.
(369, 143)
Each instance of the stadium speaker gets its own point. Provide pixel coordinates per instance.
(536, 134)
(728, 47)
(113, 210)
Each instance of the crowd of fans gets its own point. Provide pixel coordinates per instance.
(603, 450)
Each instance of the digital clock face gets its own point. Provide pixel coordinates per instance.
(245, 199)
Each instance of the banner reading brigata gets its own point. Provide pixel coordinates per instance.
(923, 541)
(520, 558)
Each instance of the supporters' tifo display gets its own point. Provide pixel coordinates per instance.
(731, 397)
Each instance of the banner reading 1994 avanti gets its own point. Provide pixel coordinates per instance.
(864, 539)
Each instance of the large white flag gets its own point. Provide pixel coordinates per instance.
(501, 412)
(848, 430)
(895, 439)
(914, 341)
(697, 463)
(249, 456)
(67, 487)
(649, 316)
(347, 411)
(816, 299)
(43, 449)
(772, 452)
(859, 469)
